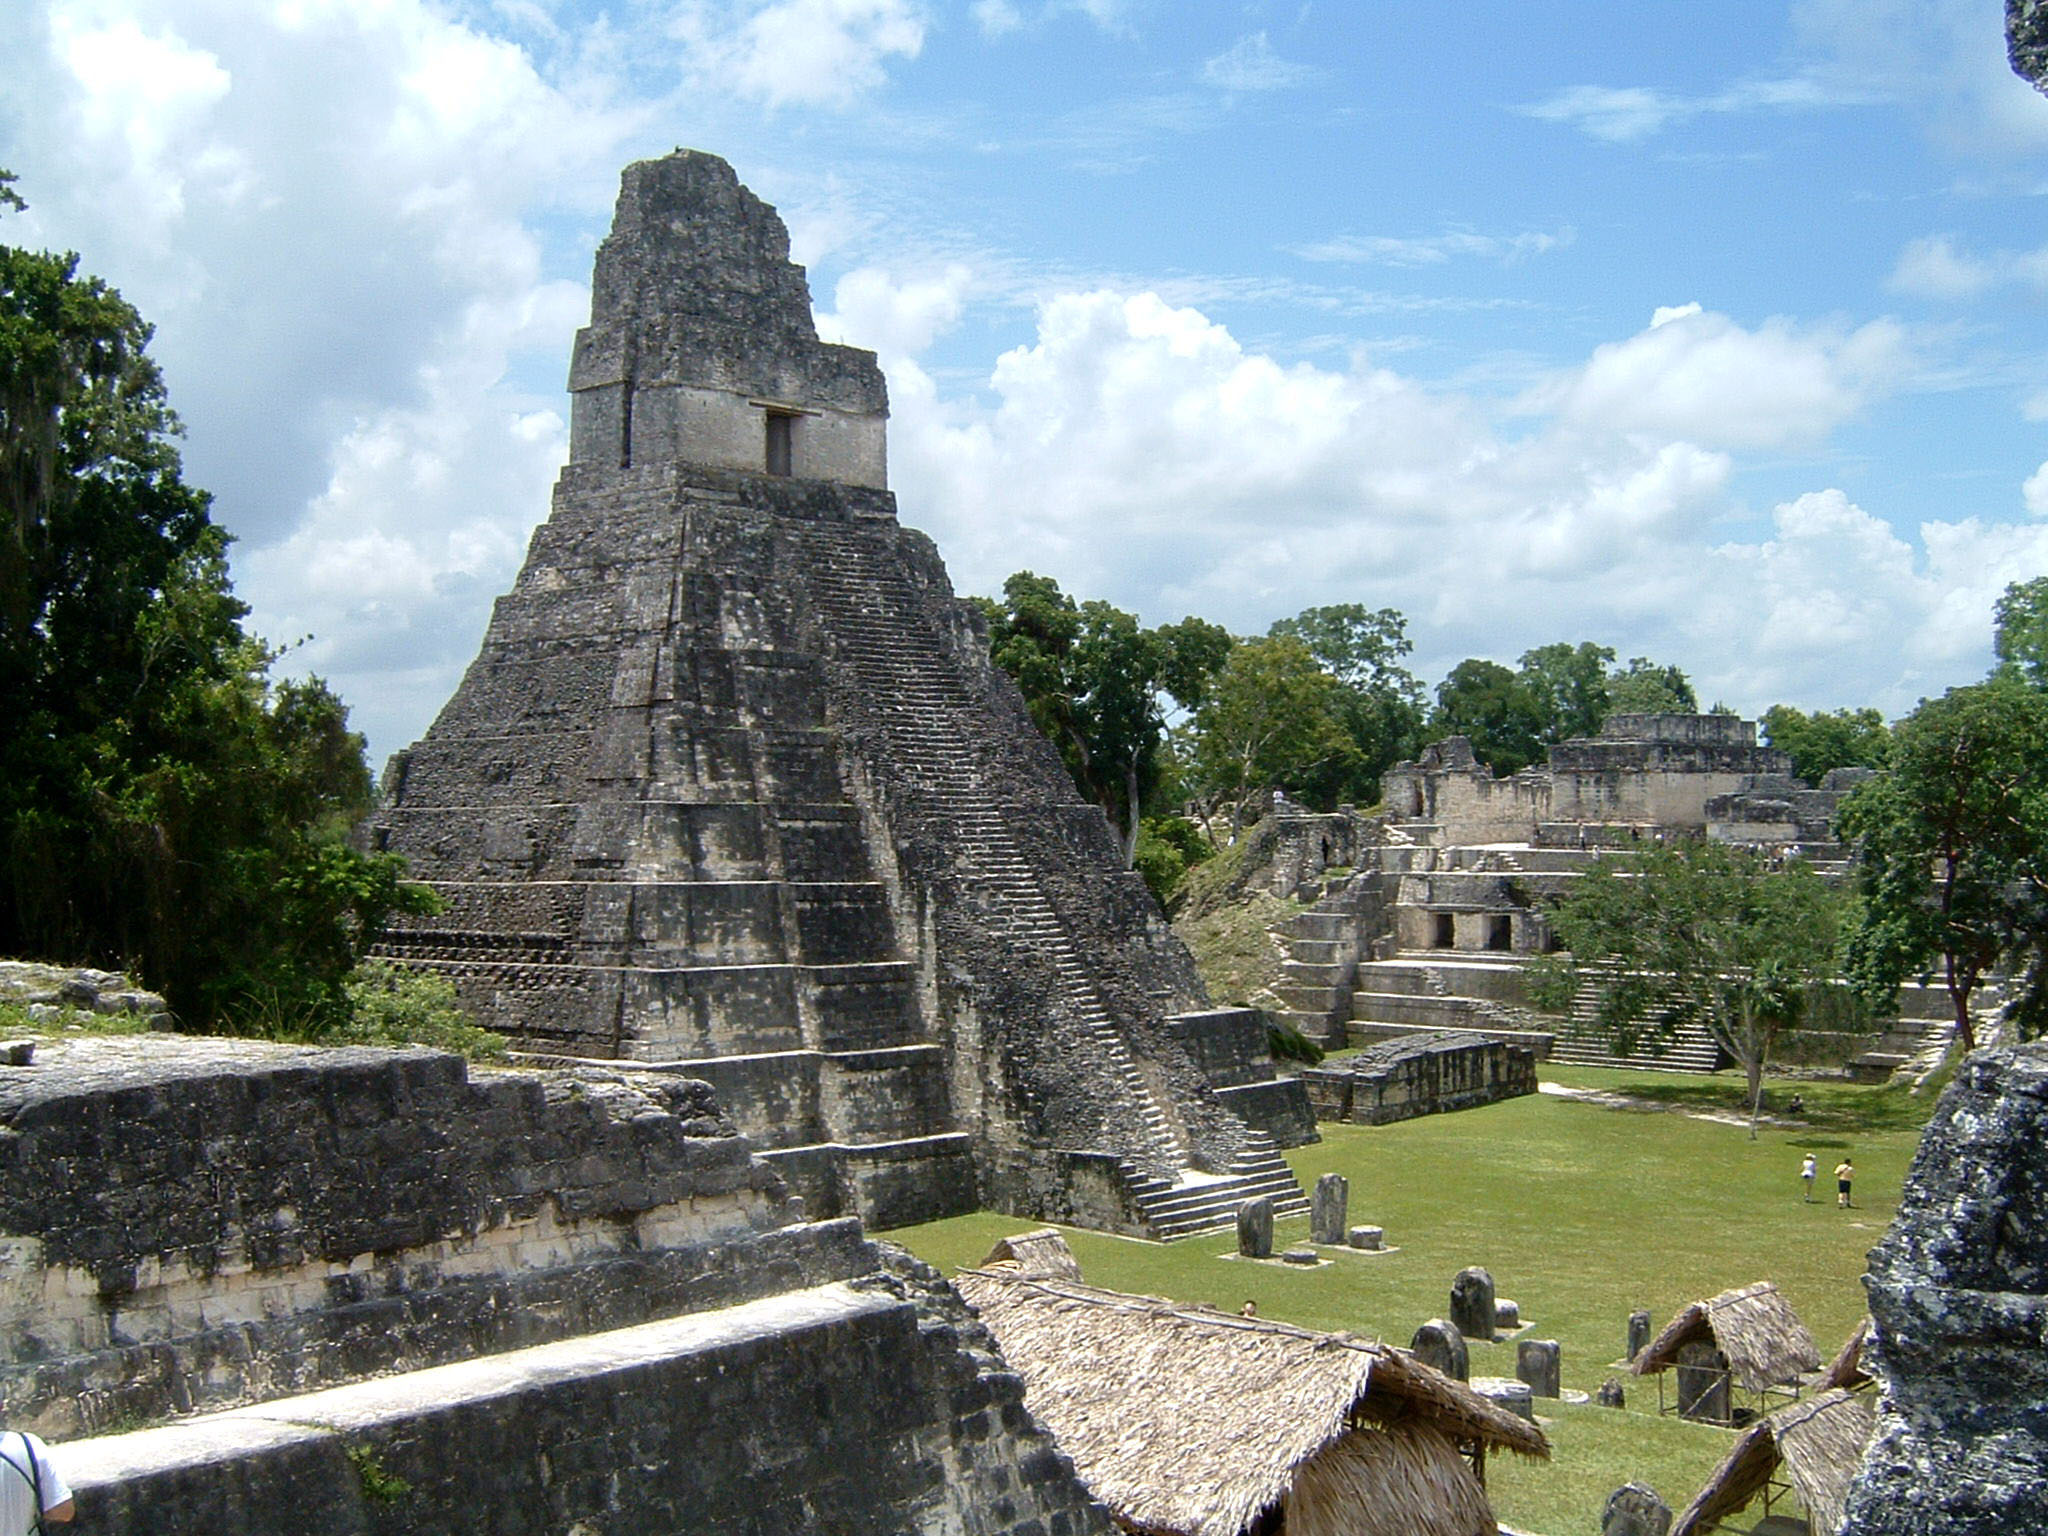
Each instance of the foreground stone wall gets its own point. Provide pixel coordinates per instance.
(879, 1407)
(1425, 1074)
(1959, 1300)
(190, 1222)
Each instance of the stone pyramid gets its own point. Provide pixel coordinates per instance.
(732, 790)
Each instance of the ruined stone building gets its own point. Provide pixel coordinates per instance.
(1451, 883)
(733, 791)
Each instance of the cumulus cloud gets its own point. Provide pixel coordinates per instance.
(326, 210)
(2035, 492)
(1139, 451)
(816, 52)
(1936, 267)
(1698, 375)
(1250, 64)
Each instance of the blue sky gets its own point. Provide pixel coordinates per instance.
(1713, 333)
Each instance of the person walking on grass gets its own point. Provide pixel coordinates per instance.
(1807, 1172)
(1845, 1174)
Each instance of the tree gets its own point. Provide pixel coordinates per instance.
(1697, 932)
(163, 805)
(1821, 742)
(1271, 719)
(2021, 637)
(1098, 685)
(1381, 703)
(1953, 841)
(1645, 688)
(1569, 685)
(1492, 706)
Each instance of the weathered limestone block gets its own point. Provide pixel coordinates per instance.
(1536, 1362)
(856, 1410)
(1472, 1304)
(1703, 1382)
(1371, 1239)
(1507, 1392)
(1959, 1301)
(1440, 1344)
(1329, 1208)
(1255, 1228)
(1634, 1509)
(1638, 1333)
(1421, 1075)
(1507, 1315)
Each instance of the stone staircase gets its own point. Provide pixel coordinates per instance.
(1198, 1202)
(1690, 1049)
(872, 619)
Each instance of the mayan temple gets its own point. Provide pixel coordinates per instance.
(733, 791)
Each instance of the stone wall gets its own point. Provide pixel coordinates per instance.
(1422, 1075)
(1959, 1301)
(878, 1407)
(189, 1222)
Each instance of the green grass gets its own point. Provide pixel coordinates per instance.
(1582, 1214)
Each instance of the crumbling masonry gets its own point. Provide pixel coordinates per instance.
(732, 790)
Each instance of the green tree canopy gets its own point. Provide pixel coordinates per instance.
(1953, 841)
(1645, 688)
(1098, 684)
(163, 806)
(1569, 685)
(1381, 702)
(1697, 932)
(1272, 718)
(2021, 637)
(1495, 708)
(1821, 742)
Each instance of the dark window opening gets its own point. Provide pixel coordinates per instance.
(626, 424)
(1446, 931)
(1500, 933)
(781, 443)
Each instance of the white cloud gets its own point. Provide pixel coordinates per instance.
(2035, 492)
(1138, 451)
(1250, 64)
(896, 320)
(1937, 268)
(1434, 250)
(996, 18)
(1698, 375)
(1620, 114)
(798, 52)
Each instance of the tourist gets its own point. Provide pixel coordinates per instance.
(1845, 1173)
(1795, 1106)
(1249, 1309)
(32, 1487)
(1807, 1170)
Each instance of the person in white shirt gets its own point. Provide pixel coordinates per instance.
(31, 1492)
(1807, 1170)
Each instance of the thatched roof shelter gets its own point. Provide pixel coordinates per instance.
(1754, 1326)
(1192, 1422)
(1817, 1444)
(1040, 1255)
(1847, 1369)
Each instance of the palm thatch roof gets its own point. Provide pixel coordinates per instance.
(1753, 1325)
(1040, 1255)
(1818, 1443)
(1848, 1370)
(1194, 1422)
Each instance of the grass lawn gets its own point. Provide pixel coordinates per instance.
(1582, 1213)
